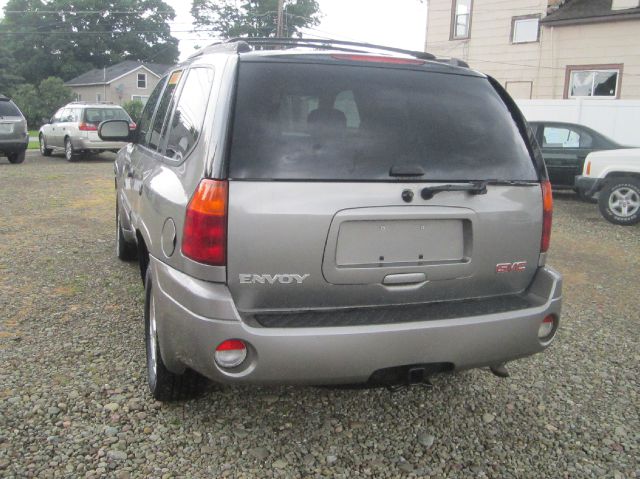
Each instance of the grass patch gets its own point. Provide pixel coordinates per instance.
(34, 133)
(33, 145)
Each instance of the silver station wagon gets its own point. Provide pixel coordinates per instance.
(73, 129)
(319, 212)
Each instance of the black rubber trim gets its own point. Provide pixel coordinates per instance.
(392, 314)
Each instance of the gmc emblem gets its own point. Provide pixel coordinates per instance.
(511, 267)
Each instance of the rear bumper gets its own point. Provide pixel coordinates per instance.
(333, 355)
(12, 146)
(87, 144)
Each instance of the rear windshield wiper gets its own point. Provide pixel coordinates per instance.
(473, 188)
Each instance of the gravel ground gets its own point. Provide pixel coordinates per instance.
(74, 401)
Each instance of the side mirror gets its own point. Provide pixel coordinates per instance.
(114, 130)
(46, 121)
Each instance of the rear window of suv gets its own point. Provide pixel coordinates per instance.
(98, 115)
(296, 121)
(8, 109)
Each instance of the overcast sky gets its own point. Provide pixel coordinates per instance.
(400, 23)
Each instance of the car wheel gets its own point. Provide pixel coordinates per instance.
(163, 384)
(619, 201)
(44, 151)
(69, 151)
(16, 158)
(125, 250)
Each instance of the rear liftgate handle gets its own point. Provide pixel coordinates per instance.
(404, 279)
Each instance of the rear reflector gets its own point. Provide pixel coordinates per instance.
(588, 169)
(547, 327)
(230, 353)
(204, 238)
(87, 127)
(547, 213)
(379, 59)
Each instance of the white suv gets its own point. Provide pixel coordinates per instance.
(74, 128)
(615, 175)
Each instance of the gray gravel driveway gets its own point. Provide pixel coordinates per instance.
(74, 401)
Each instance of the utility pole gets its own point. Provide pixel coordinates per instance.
(280, 20)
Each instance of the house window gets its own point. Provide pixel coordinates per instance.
(597, 81)
(141, 98)
(461, 19)
(142, 80)
(525, 29)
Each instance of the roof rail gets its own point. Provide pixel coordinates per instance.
(238, 45)
(243, 44)
(3, 98)
(81, 102)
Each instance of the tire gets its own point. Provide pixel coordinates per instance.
(16, 158)
(44, 151)
(69, 151)
(163, 384)
(125, 250)
(619, 201)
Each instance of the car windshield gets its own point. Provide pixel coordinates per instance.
(8, 109)
(97, 115)
(319, 122)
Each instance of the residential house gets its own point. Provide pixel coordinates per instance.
(125, 81)
(544, 49)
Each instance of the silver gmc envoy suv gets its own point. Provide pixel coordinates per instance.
(320, 212)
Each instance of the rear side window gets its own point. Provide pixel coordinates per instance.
(8, 109)
(164, 106)
(144, 123)
(188, 118)
(308, 121)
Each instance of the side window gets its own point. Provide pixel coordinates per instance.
(560, 137)
(66, 115)
(155, 133)
(77, 114)
(57, 115)
(144, 123)
(188, 118)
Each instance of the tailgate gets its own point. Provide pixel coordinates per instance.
(289, 254)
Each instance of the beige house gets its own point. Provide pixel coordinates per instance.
(544, 49)
(126, 81)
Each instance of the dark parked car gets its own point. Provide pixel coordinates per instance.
(565, 146)
(13, 131)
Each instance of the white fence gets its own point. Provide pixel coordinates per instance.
(617, 119)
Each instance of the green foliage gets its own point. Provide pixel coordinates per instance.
(8, 78)
(254, 18)
(134, 108)
(42, 102)
(66, 38)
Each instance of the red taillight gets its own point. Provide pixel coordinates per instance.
(547, 213)
(379, 59)
(588, 170)
(230, 353)
(88, 127)
(132, 126)
(204, 238)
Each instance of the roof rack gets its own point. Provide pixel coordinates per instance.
(243, 45)
(90, 103)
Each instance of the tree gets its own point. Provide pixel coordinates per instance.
(65, 38)
(254, 18)
(8, 78)
(134, 108)
(42, 102)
